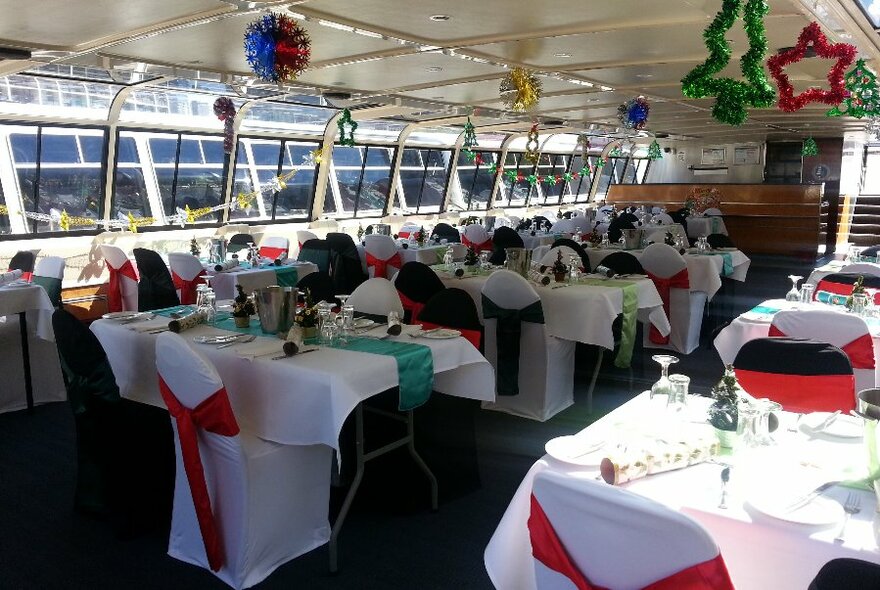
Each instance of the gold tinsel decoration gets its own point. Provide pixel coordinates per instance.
(135, 222)
(4, 210)
(193, 214)
(520, 90)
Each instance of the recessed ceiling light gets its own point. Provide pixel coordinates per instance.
(562, 55)
(434, 69)
(440, 18)
(644, 76)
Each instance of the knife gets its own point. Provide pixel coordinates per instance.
(810, 496)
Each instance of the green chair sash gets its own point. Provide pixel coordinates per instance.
(630, 317)
(52, 287)
(508, 331)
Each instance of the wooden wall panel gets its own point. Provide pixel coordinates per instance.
(761, 218)
(86, 303)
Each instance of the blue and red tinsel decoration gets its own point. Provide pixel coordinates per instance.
(633, 114)
(277, 48)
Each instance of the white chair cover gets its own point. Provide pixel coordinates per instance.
(116, 258)
(504, 222)
(376, 296)
(546, 374)
(583, 223)
(615, 538)
(476, 234)
(833, 327)
(655, 210)
(325, 226)
(50, 266)
(564, 226)
(382, 248)
(303, 236)
(862, 268)
(187, 267)
(407, 228)
(685, 306)
(712, 211)
(549, 258)
(269, 500)
(271, 246)
(664, 219)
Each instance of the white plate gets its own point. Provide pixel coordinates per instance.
(124, 315)
(842, 427)
(576, 450)
(218, 339)
(361, 323)
(440, 334)
(821, 511)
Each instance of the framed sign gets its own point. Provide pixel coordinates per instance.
(746, 155)
(714, 156)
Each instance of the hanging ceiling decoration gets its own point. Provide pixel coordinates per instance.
(346, 121)
(224, 109)
(810, 148)
(277, 48)
(863, 99)
(520, 90)
(633, 114)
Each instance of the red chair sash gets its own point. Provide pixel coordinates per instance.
(548, 549)
(272, 252)
(212, 415)
(801, 393)
(412, 306)
(472, 336)
(381, 266)
(840, 289)
(487, 245)
(860, 351)
(114, 287)
(679, 280)
(403, 234)
(187, 288)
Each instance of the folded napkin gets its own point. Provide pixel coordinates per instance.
(658, 455)
(8, 277)
(225, 266)
(260, 347)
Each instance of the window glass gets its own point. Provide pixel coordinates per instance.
(200, 184)
(130, 186)
(605, 178)
(296, 200)
(5, 227)
(256, 164)
(362, 180)
(376, 181)
(516, 192)
(475, 179)
(55, 97)
(164, 149)
(296, 118)
(436, 176)
(160, 105)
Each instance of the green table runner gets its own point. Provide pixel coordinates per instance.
(630, 316)
(727, 268)
(764, 309)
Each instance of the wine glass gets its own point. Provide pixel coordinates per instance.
(323, 314)
(794, 294)
(663, 386)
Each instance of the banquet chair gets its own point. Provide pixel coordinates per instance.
(583, 223)
(720, 241)
(23, 260)
(524, 224)
(502, 238)
(303, 236)
(453, 308)
(345, 263)
(122, 289)
(534, 370)
(274, 247)
(623, 263)
(628, 216)
(124, 449)
(586, 534)
(317, 252)
(549, 258)
(383, 259)
(238, 242)
(320, 285)
(846, 572)
(664, 219)
(49, 273)
(186, 274)
(376, 297)
(243, 506)
(408, 228)
(446, 232)
(581, 252)
(564, 226)
(542, 222)
(684, 308)
(615, 229)
(840, 283)
(850, 333)
(155, 287)
(416, 284)
(802, 375)
(870, 252)
(862, 268)
(475, 236)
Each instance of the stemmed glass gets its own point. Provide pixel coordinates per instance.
(663, 386)
(794, 294)
(345, 318)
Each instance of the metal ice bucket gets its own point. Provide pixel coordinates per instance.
(383, 229)
(869, 407)
(217, 254)
(276, 307)
(519, 260)
(632, 239)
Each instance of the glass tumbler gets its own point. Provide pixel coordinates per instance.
(678, 392)
(807, 290)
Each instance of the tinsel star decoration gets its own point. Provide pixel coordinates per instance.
(864, 94)
(346, 120)
(520, 90)
(810, 148)
(812, 35)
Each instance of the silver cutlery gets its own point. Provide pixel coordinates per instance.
(827, 422)
(421, 333)
(238, 340)
(851, 506)
(802, 501)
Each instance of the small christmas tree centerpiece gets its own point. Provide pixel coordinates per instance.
(242, 308)
(559, 268)
(194, 247)
(421, 236)
(858, 289)
(471, 258)
(724, 411)
(307, 316)
(360, 232)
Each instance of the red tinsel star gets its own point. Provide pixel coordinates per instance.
(842, 52)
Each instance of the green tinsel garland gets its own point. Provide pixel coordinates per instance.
(654, 152)
(733, 96)
(810, 148)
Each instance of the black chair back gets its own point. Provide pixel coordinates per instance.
(239, 242)
(623, 263)
(346, 269)
(52, 287)
(542, 222)
(418, 282)
(454, 308)
(846, 572)
(615, 227)
(155, 287)
(316, 251)
(320, 285)
(627, 216)
(585, 259)
(870, 252)
(444, 231)
(504, 237)
(24, 261)
(720, 241)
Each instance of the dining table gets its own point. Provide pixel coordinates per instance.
(251, 278)
(835, 266)
(429, 254)
(26, 322)
(700, 226)
(768, 535)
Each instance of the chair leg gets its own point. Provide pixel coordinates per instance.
(26, 360)
(410, 433)
(355, 484)
(593, 380)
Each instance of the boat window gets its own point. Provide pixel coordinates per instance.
(475, 179)
(362, 180)
(424, 174)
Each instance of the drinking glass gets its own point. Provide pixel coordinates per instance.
(807, 290)
(663, 385)
(677, 399)
(448, 258)
(859, 303)
(200, 296)
(323, 315)
(329, 330)
(210, 306)
(793, 294)
(606, 241)
(484, 260)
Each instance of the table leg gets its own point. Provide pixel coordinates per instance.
(26, 361)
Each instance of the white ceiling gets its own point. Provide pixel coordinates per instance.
(401, 56)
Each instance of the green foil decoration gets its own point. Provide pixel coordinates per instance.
(810, 148)
(733, 97)
(654, 152)
(470, 136)
(864, 94)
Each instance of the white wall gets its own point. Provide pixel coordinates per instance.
(673, 167)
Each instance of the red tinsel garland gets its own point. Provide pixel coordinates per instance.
(842, 52)
(224, 109)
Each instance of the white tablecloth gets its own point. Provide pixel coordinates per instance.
(531, 242)
(302, 400)
(250, 279)
(426, 254)
(565, 308)
(760, 551)
(703, 226)
(48, 385)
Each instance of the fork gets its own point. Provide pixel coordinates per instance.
(851, 506)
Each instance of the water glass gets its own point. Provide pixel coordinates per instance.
(348, 319)
(210, 306)
(329, 330)
(860, 303)
(201, 290)
(484, 260)
(677, 399)
(807, 290)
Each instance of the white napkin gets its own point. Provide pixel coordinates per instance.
(8, 277)
(260, 347)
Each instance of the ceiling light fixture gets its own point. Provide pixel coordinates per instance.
(440, 18)
(434, 69)
(562, 55)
